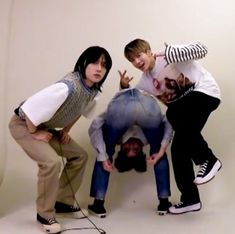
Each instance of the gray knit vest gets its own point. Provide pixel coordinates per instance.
(78, 99)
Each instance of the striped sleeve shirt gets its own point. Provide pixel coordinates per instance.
(182, 53)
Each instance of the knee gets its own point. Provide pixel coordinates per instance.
(51, 166)
(81, 159)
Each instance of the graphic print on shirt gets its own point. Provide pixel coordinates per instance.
(172, 85)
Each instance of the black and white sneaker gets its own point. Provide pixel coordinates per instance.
(163, 207)
(97, 208)
(207, 171)
(183, 207)
(65, 210)
(50, 225)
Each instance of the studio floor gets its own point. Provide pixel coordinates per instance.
(130, 204)
(138, 219)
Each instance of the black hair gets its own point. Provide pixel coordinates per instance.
(91, 55)
(124, 163)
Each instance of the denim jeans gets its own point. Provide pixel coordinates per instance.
(128, 108)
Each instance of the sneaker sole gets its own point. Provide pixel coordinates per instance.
(162, 213)
(183, 212)
(208, 180)
(51, 232)
(186, 211)
(48, 229)
(97, 215)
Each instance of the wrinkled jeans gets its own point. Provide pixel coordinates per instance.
(127, 108)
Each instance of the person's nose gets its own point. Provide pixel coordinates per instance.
(99, 67)
(131, 153)
(136, 61)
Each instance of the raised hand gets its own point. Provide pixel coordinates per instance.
(124, 79)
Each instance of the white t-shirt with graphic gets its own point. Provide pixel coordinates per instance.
(171, 81)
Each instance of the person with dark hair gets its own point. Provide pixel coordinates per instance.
(133, 119)
(191, 94)
(41, 125)
(125, 161)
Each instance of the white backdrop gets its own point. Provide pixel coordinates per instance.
(41, 41)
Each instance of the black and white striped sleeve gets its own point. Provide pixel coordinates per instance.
(181, 53)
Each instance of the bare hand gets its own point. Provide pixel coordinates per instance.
(64, 137)
(42, 135)
(107, 165)
(124, 79)
(159, 54)
(153, 159)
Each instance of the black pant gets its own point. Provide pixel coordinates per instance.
(188, 116)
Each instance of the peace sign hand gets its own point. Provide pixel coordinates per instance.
(124, 80)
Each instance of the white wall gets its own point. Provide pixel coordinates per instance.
(41, 41)
(4, 53)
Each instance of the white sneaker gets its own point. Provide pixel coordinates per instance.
(50, 225)
(207, 171)
(182, 207)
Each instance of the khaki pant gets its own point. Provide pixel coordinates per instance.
(52, 186)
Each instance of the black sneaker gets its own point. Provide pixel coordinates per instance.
(50, 225)
(163, 207)
(97, 208)
(183, 207)
(207, 171)
(68, 210)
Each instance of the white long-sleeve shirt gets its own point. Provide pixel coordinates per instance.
(41, 106)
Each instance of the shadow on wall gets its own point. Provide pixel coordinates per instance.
(2, 164)
(18, 187)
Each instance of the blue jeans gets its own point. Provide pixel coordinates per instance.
(128, 108)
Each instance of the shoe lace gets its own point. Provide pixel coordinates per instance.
(75, 208)
(179, 204)
(51, 221)
(203, 168)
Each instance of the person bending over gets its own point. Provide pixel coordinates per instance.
(133, 119)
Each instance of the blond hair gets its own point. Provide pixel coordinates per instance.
(133, 48)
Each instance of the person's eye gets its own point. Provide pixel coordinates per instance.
(103, 64)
